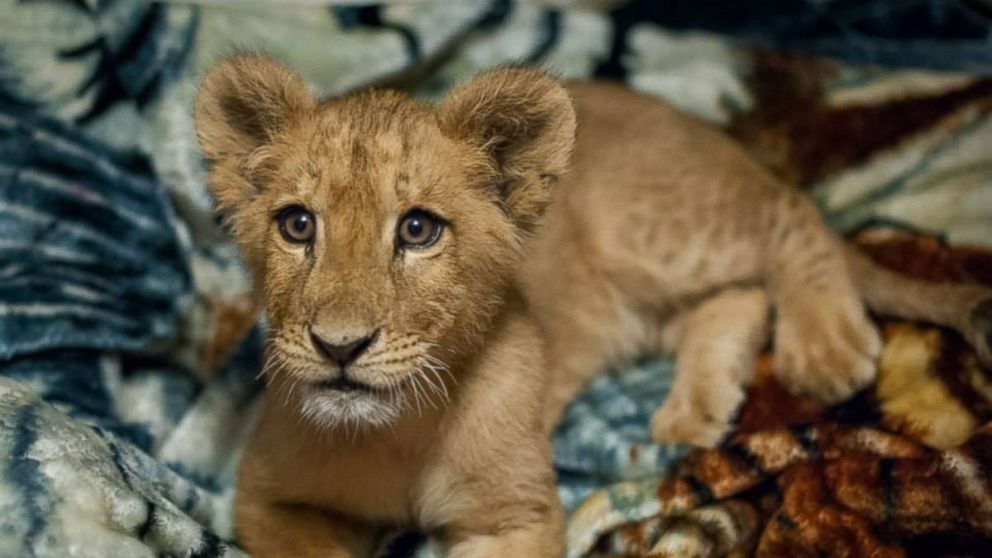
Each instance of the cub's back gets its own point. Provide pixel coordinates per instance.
(632, 148)
(654, 196)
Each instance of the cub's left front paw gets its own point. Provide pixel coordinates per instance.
(826, 347)
(703, 423)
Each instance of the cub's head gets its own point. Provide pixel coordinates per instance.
(382, 232)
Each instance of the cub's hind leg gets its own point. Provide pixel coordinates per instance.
(719, 341)
(825, 345)
(964, 307)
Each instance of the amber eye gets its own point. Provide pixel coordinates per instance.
(296, 224)
(418, 230)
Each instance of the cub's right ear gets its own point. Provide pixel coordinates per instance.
(243, 102)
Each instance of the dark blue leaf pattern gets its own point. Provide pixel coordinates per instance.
(131, 69)
(103, 290)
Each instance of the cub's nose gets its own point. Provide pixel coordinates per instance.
(343, 351)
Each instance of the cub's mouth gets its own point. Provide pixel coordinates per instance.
(351, 403)
(345, 385)
(347, 403)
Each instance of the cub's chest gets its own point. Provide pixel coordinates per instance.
(375, 485)
(375, 481)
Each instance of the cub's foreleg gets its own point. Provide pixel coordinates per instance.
(274, 530)
(825, 346)
(719, 341)
(540, 539)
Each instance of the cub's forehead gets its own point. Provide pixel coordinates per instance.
(379, 145)
(352, 129)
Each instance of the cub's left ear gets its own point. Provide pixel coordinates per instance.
(525, 121)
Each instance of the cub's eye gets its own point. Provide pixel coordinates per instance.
(296, 224)
(418, 230)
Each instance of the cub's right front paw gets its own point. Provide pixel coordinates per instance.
(826, 347)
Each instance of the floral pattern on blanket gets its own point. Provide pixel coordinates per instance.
(129, 347)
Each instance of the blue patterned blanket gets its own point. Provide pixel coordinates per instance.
(128, 348)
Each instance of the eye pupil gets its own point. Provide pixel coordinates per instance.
(415, 227)
(301, 223)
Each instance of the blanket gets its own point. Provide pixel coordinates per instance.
(129, 348)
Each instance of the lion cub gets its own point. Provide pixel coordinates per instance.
(410, 337)
(405, 374)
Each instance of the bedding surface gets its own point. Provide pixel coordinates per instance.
(129, 349)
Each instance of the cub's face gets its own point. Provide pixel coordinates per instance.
(382, 232)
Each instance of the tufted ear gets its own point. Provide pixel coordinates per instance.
(243, 102)
(524, 120)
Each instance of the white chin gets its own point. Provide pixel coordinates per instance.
(349, 409)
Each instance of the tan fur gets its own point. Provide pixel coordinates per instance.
(664, 236)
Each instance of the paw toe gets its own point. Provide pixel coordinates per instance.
(687, 428)
(872, 343)
(829, 376)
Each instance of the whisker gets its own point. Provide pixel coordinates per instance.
(269, 360)
(416, 394)
(442, 367)
(420, 376)
(292, 386)
(441, 386)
